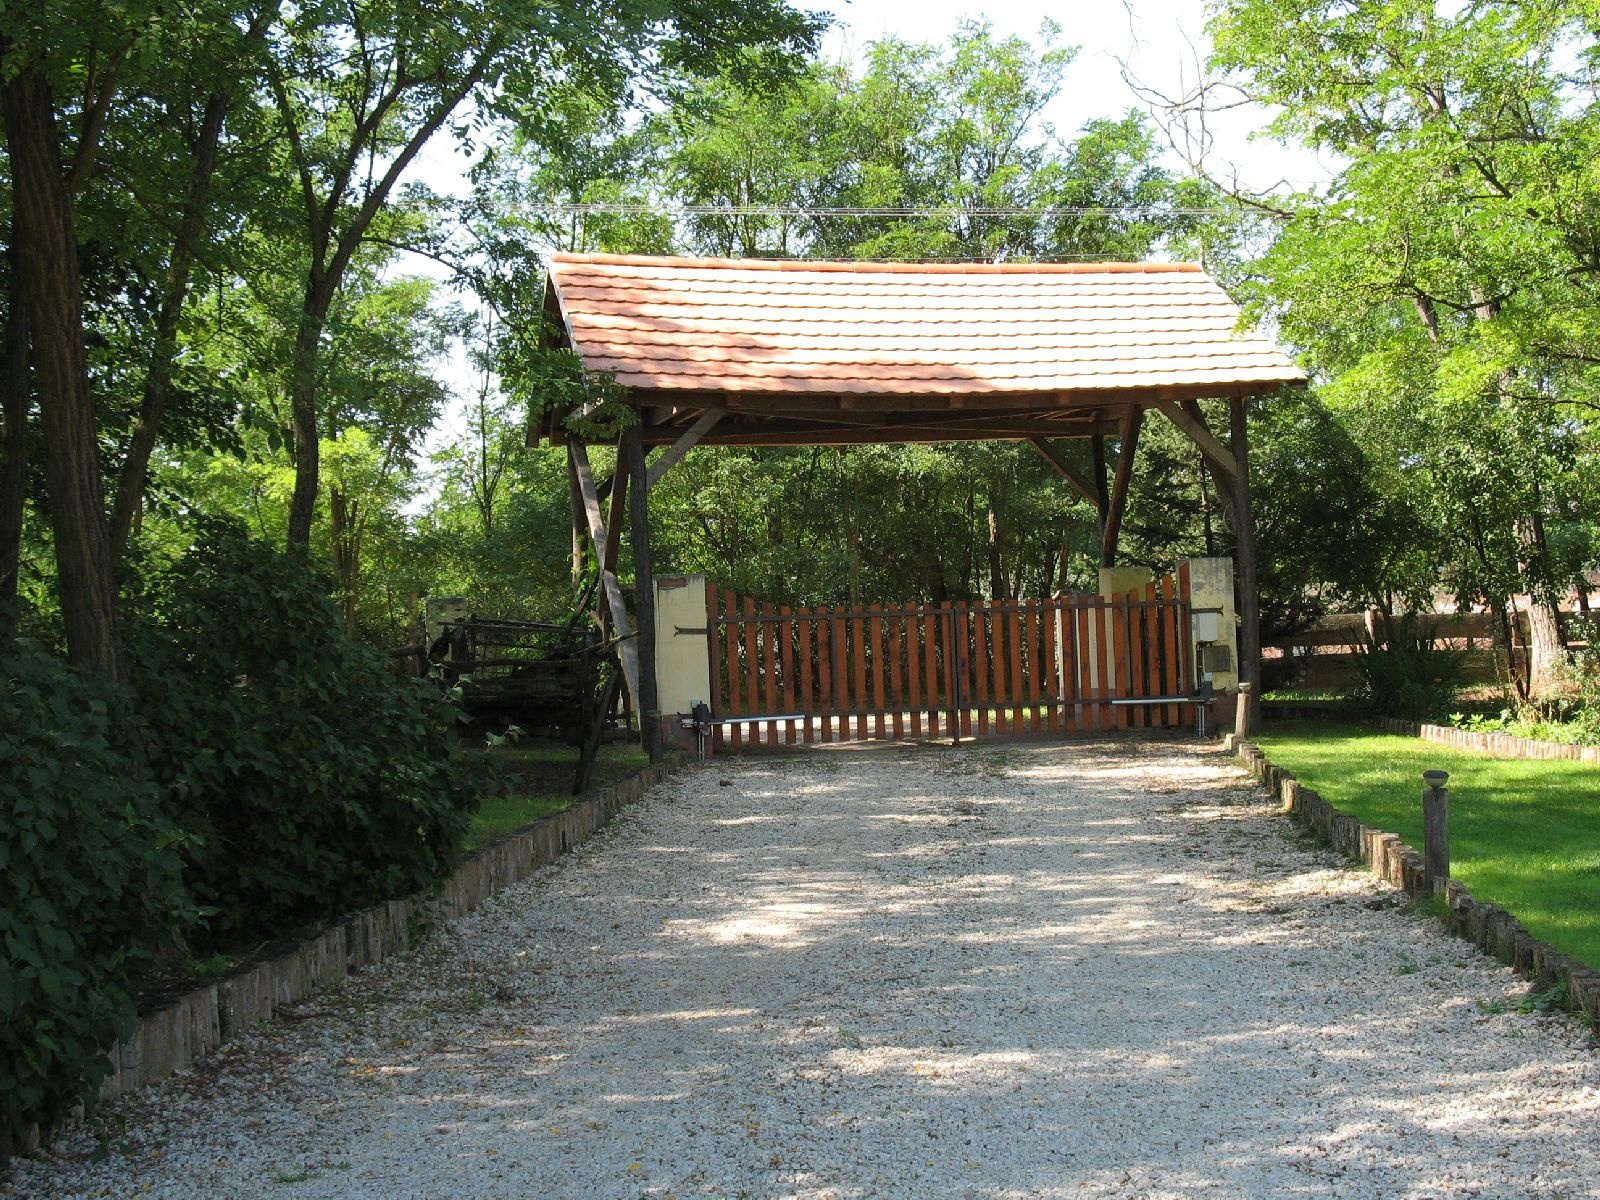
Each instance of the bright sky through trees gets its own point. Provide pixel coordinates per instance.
(1162, 43)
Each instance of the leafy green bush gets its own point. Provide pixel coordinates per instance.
(1569, 714)
(1409, 675)
(89, 882)
(313, 778)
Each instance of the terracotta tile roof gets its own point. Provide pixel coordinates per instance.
(755, 326)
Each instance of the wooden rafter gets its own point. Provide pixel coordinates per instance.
(911, 435)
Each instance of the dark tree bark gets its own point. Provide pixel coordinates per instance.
(43, 221)
(303, 406)
(1547, 648)
(344, 534)
(1205, 506)
(1097, 476)
(335, 236)
(164, 347)
(15, 379)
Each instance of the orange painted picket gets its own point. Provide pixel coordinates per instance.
(790, 674)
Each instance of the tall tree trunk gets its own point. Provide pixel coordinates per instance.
(1547, 649)
(996, 551)
(164, 345)
(45, 230)
(1507, 612)
(14, 378)
(1205, 508)
(344, 535)
(303, 404)
(1097, 476)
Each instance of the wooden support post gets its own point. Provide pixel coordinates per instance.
(1244, 534)
(629, 653)
(1102, 497)
(1436, 830)
(630, 458)
(1111, 525)
(579, 530)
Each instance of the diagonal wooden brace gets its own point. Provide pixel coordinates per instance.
(627, 650)
(1218, 456)
(686, 441)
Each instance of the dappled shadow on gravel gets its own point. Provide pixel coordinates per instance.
(1091, 969)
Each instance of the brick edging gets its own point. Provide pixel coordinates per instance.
(1489, 927)
(172, 1036)
(1504, 745)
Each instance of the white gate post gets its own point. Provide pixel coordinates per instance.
(1214, 626)
(683, 657)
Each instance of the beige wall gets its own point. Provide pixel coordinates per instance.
(683, 664)
(1211, 587)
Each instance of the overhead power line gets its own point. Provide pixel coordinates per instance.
(779, 210)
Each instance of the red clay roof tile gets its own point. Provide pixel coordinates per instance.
(758, 326)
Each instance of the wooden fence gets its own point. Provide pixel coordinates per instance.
(1321, 655)
(954, 670)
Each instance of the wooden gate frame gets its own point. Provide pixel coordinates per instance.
(954, 670)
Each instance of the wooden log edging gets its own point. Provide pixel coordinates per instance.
(1502, 745)
(1486, 925)
(184, 1027)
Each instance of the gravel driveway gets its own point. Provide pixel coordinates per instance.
(1092, 969)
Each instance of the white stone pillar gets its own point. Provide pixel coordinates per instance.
(1213, 623)
(683, 657)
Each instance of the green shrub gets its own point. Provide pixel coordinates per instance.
(313, 778)
(89, 882)
(1570, 713)
(1408, 676)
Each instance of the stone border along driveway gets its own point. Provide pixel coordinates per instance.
(1082, 969)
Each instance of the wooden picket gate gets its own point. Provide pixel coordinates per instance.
(955, 670)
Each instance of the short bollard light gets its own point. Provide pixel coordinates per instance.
(1436, 830)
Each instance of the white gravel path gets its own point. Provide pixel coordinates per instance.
(1095, 970)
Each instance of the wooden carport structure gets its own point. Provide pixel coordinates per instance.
(741, 352)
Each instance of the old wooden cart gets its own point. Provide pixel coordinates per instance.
(546, 679)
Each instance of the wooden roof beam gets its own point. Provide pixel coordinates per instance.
(835, 436)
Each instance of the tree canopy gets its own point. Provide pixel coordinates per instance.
(222, 321)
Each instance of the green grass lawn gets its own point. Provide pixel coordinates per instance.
(540, 780)
(1524, 834)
